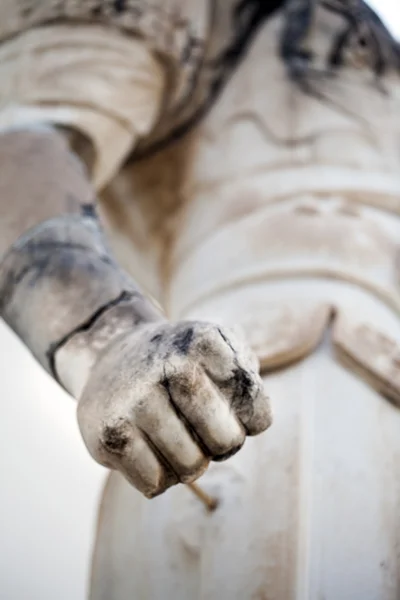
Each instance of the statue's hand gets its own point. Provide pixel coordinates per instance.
(165, 400)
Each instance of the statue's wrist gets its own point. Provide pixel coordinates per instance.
(74, 358)
(57, 280)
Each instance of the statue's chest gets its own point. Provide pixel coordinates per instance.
(265, 141)
(285, 180)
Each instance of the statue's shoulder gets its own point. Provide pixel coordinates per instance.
(153, 20)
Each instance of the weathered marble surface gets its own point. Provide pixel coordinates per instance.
(280, 215)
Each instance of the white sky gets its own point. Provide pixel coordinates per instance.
(389, 11)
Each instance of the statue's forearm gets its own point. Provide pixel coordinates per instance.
(60, 290)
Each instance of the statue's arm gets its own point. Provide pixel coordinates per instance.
(56, 272)
(156, 401)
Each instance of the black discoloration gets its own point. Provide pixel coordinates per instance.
(52, 351)
(89, 210)
(155, 348)
(243, 395)
(226, 455)
(40, 258)
(242, 383)
(336, 56)
(297, 24)
(156, 339)
(119, 5)
(50, 258)
(182, 341)
(97, 11)
(243, 388)
(226, 340)
(53, 247)
(115, 439)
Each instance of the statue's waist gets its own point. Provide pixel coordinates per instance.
(288, 272)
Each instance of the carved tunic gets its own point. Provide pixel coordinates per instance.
(288, 227)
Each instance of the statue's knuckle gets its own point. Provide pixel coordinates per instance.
(229, 450)
(114, 437)
(160, 489)
(184, 381)
(183, 338)
(209, 344)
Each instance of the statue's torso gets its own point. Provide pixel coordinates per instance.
(278, 190)
(286, 223)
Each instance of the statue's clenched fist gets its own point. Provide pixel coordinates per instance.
(165, 400)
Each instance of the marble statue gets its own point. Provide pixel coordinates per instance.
(246, 160)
